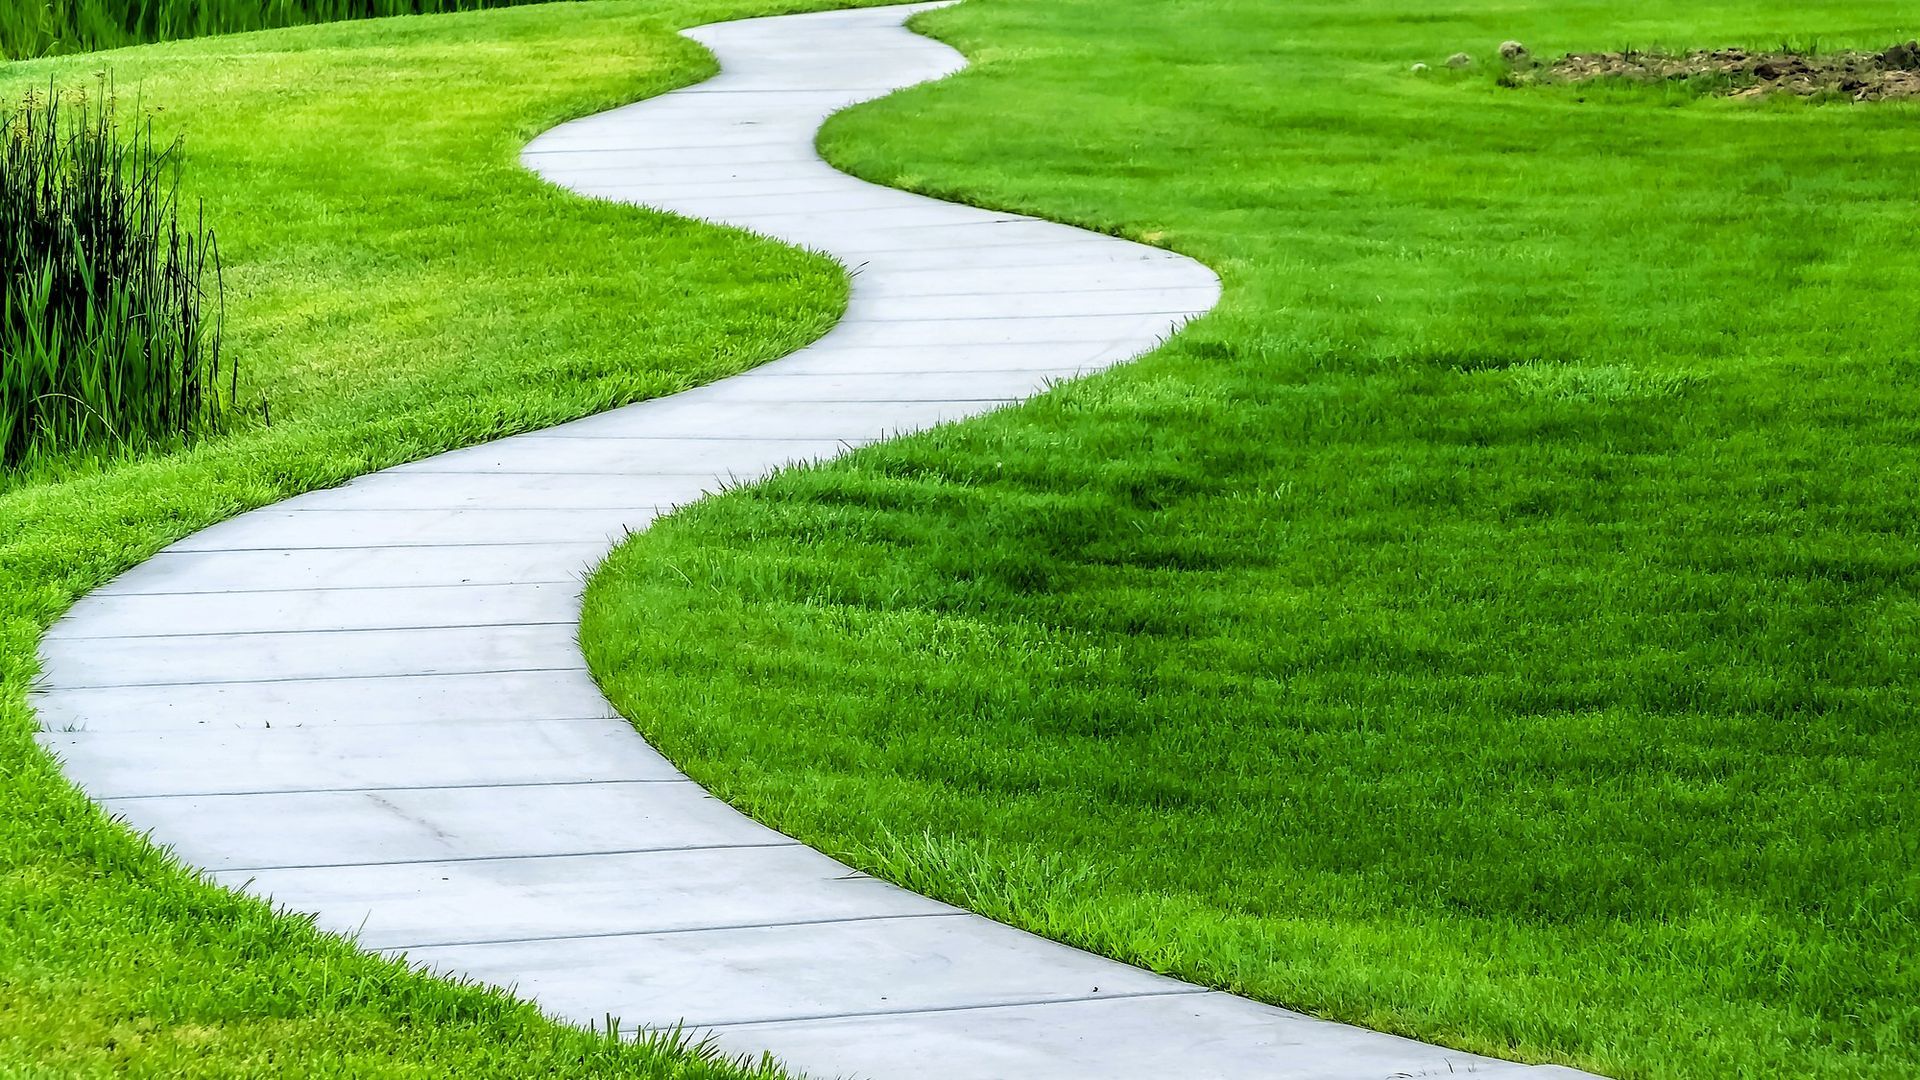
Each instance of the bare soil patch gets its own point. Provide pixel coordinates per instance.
(1860, 76)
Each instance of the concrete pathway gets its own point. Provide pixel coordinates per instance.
(368, 703)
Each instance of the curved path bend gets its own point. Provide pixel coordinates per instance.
(381, 715)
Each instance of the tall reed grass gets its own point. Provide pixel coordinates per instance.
(110, 305)
(38, 27)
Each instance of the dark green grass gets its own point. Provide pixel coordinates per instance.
(39, 27)
(397, 285)
(1497, 623)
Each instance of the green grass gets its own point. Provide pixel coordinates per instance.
(1497, 623)
(397, 286)
(39, 27)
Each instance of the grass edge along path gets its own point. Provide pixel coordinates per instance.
(1493, 624)
(398, 286)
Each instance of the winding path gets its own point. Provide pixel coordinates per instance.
(382, 716)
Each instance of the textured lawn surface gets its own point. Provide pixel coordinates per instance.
(1497, 623)
(396, 286)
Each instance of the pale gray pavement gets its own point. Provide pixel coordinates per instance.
(381, 715)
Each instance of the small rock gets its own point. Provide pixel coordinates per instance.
(1418, 68)
(1513, 52)
(1459, 60)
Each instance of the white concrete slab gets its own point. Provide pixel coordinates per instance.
(257, 759)
(988, 390)
(719, 455)
(868, 967)
(948, 359)
(191, 572)
(457, 700)
(274, 529)
(803, 423)
(1014, 303)
(368, 702)
(415, 905)
(1200, 1036)
(1045, 281)
(933, 252)
(146, 615)
(351, 828)
(922, 333)
(79, 662)
(410, 491)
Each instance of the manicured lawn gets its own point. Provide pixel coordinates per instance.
(397, 286)
(1498, 623)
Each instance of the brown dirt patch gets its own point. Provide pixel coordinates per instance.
(1860, 76)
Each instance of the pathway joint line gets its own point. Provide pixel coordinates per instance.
(1181, 991)
(680, 931)
(377, 788)
(313, 630)
(121, 594)
(348, 677)
(390, 787)
(226, 871)
(371, 547)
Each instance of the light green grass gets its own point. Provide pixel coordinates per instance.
(1498, 623)
(397, 285)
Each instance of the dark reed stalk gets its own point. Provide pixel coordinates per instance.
(109, 332)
